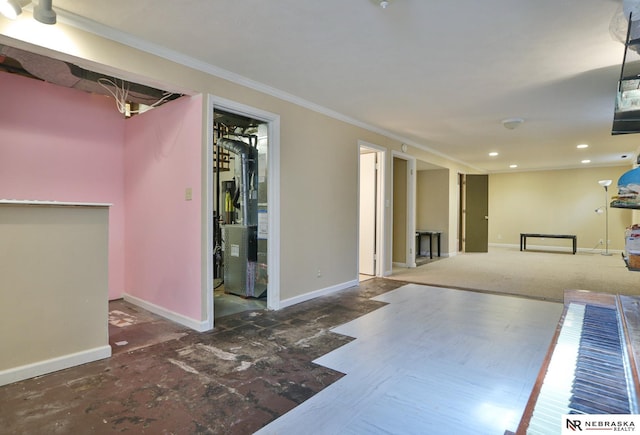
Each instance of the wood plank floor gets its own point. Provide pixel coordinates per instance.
(435, 361)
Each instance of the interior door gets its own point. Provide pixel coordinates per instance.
(476, 213)
(367, 213)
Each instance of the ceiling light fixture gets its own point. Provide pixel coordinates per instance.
(384, 4)
(585, 161)
(512, 123)
(42, 12)
(582, 146)
(10, 9)
(513, 166)
(493, 154)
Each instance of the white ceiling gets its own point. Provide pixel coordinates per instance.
(440, 74)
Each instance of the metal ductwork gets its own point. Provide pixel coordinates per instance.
(248, 184)
(69, 75)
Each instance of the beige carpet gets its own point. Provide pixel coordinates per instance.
(537, 274)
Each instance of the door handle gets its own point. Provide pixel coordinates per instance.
(486, 218)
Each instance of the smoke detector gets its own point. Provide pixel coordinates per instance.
(512, 123)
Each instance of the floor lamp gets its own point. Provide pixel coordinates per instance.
(606, 184)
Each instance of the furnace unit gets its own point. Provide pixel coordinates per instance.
(240, 259)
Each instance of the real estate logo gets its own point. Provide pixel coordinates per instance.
(600, 423)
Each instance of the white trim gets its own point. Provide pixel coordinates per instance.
(396, 264)
(410, 242)
(273, 193)
(623, 163)
(194, 324)
(51, 365)
(53, 203)
(565, 249)
(381, 210)
(412, 177)
(317, 293)
(207, 202)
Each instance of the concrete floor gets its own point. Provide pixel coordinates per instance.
(226, 303)
(163, 378)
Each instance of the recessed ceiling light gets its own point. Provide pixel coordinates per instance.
(586, 161)
(582, 145)
(493, 154)
(513, 166)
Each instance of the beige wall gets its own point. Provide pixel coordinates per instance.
(53, 276)
(558, 202)
(319, 154)
(450, 236)
(432, 203)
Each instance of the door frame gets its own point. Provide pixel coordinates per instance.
(381, 253)
(273, 199)
(410, 254)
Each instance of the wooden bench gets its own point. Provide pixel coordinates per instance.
(523, 239)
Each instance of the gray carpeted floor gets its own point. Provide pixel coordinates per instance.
(537, 274)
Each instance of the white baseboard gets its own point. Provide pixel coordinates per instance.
(51, 365)
(317, 293)
(504, 245)
(556, 248)
(197, 325)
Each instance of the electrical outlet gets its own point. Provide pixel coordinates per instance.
(601, 242)
(319, 273)
(188, 194)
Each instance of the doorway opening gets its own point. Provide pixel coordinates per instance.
(266, 235)
(371, 211)
(240, 207)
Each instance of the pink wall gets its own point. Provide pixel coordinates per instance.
(163, 251)
(67, 145)
(64, 145)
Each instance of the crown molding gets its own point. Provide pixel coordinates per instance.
(90, 26)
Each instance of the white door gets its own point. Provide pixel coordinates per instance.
(367, 213)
